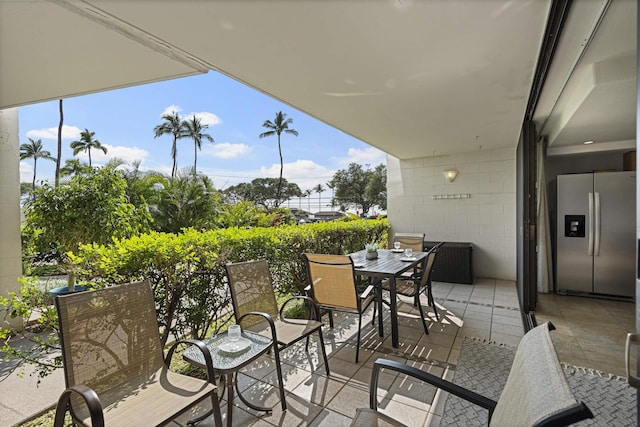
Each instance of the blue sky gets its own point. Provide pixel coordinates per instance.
(123, 121)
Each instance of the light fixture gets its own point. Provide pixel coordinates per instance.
(588, 142)
(450, 174)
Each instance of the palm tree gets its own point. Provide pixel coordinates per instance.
(194, 129)
(172, 126)
(307, 194)
(279, 125)
(34, 151)
(86, 143)
(319, 189)
(73, 167)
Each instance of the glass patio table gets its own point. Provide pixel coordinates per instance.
(390, 264)
(228, 363)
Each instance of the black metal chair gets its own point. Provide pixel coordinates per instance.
(418, 283)
(536, 392)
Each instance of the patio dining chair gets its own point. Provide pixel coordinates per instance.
(255, 308)
(333, 286)
(115, 370)
(536, 392)
(421, 283)
(414, 241)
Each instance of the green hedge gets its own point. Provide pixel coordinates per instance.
(187, 270)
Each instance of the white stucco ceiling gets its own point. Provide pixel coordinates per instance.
(413, 78)
(590, 94)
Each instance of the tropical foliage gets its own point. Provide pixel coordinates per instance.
(246, 214)
(182, 202)
(73, 167)
(360, 188)
(267, 192)
(187, 269)
(188, 275)
(91, 207)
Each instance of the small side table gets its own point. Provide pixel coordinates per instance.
(228, 365)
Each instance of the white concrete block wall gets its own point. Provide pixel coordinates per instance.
(487, 218)
(10, 246)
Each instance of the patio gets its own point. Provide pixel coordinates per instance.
(486, 310)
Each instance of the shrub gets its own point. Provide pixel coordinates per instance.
(92, 207)
(187, 270)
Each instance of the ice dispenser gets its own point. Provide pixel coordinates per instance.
(574, 225)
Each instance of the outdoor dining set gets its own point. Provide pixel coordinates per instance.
(117, 373)
(115, 366)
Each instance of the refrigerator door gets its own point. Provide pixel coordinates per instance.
(574, 264)
(614, 249)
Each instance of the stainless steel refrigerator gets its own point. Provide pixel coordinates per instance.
(595, 234)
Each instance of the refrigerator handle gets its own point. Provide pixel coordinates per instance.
(596, 240)
(590, 241)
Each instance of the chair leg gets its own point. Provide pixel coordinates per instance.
(324, 351)
(431, 301)
(215, 403)
(375, 310)
(358, 342)
(276, 354)
(330, 318)
(422, 316)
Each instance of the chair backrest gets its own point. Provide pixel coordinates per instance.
(537, 392)
(332, 280)
(251, 286)
(413, 241)
(427, 267)
(109, 336)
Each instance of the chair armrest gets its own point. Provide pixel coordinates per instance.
(205, 353)
(267, 317)
(367, 291)
(90, 398)
(302, 297)
(443, 384)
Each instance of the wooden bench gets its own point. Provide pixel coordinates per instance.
(536, 392)
(114, 366)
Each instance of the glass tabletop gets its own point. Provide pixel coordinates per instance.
(224, 360)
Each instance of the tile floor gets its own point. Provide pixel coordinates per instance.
(488, 309)
(589, 332)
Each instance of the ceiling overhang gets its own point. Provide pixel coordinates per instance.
(413, 78)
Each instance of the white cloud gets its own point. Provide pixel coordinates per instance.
(206, 118)
(225, 150)
(371, 156)
(171, 109)
(68, 132)
(26, 172)
(126, 154)
(306, 173)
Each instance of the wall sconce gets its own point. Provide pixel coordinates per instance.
(450, 174)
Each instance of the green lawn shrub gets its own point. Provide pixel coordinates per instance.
(187, 270)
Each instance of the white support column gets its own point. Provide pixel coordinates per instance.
(10, 246)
